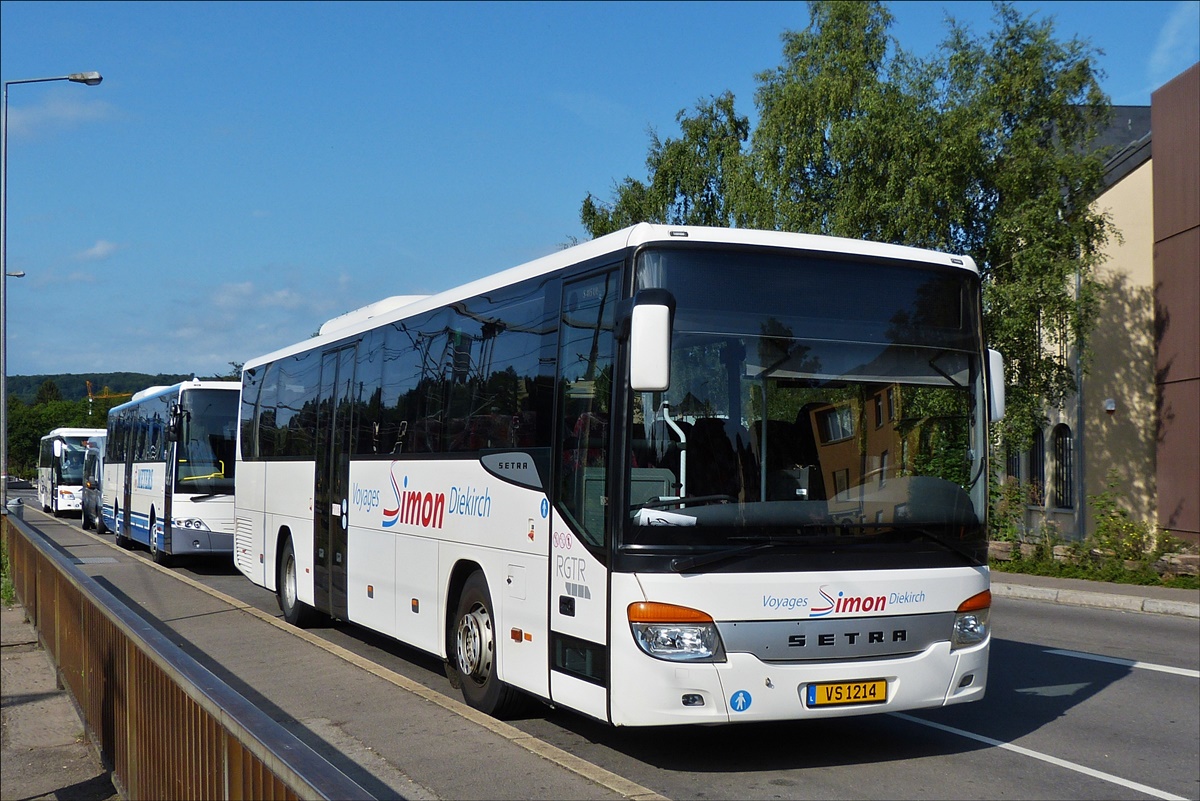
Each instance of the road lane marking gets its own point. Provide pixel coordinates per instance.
(1062, 763)
(1192, 674)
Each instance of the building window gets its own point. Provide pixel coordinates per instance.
(1064, 487)
(1037, 468)
(836, 424)
(1013, 464)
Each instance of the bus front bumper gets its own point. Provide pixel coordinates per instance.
(746, 689)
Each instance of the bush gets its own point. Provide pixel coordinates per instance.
(1120, 549)
(1117, 535)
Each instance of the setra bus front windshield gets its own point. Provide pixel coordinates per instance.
(819, 408)
(70, 464)
(207, 440)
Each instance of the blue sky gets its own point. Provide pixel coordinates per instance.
(247, 171)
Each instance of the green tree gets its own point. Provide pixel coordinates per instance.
(27, 424)
(698, 179)
(48, 392)
(983, 149)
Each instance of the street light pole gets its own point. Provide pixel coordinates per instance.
(88, 79)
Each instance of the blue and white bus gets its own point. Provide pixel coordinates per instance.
(60, 468)
(672, 475)
(169, 469)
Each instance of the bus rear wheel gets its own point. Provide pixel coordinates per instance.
(474, 657)
(295, 611)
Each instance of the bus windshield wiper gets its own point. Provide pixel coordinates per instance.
(693, 500)
(686, 564)
(921, 533)
(945, 542)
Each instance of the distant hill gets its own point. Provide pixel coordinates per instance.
(73, 386)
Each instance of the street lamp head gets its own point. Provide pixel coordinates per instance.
(90, 78)
(16, 274)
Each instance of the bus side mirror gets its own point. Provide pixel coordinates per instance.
(996, 385)
(58, 448)
(650, 341)
(174, 423)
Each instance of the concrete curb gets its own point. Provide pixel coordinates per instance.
(1097, 600)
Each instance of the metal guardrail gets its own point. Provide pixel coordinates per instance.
(165, 725)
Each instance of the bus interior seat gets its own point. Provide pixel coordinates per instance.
(786, 471)
(720, 460)
(806, 441)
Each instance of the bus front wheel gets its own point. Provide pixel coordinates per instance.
(160, 556)
(294, 610)
(474, 658)
(119, 532)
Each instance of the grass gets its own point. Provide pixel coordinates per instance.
(1111, 570)
(8, 594)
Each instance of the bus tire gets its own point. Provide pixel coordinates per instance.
(295, 611)
(474, 655)
(160, 556)
(118, 530)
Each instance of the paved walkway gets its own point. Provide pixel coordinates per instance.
(43, 751)
(46, 756)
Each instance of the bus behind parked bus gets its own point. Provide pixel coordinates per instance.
(60, 469)
(169, 468)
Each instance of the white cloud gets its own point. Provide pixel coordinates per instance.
(1177, 44)
(101, 250)
(592, 109)
(55, 111)
(284, 298)
(233, 296)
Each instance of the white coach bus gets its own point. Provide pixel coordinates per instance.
(60, 469)
(672, 475)
(168, 469)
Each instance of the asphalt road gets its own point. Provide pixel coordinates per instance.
(1082, 703)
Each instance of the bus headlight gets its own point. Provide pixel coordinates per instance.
(971, 621)
(195, 524)
(675, 633)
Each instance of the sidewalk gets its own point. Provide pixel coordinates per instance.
(45, 755)
(1097, 594)
(44, 752)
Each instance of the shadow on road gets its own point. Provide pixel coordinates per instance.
(1027, 689)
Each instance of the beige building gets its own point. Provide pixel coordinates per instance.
(1136, 415)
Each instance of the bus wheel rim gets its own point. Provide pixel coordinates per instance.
(475, 646)
(289, 583)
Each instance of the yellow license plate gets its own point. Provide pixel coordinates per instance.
(847, 692)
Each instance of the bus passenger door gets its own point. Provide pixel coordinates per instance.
(331, 498)
(125, 490)
(579, 545)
